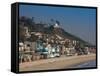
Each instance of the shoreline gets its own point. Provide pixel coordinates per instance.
(91, 63)
(56, 63)
(81, 63)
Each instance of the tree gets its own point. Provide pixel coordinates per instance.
(33, 38)
(57, 22)
(22, 37)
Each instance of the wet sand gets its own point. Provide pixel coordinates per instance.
(55, 63)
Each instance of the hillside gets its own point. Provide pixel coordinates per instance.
(51, 30)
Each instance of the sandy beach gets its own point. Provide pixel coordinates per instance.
(56, 63)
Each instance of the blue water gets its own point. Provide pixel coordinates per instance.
(86, 64)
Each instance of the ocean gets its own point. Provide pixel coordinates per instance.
(86, 64)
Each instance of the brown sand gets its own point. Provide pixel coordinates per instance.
(55, 63)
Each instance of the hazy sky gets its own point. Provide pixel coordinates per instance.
(80, 22)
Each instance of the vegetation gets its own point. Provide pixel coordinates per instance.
(44, 28)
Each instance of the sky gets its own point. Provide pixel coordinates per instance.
(80, 22)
